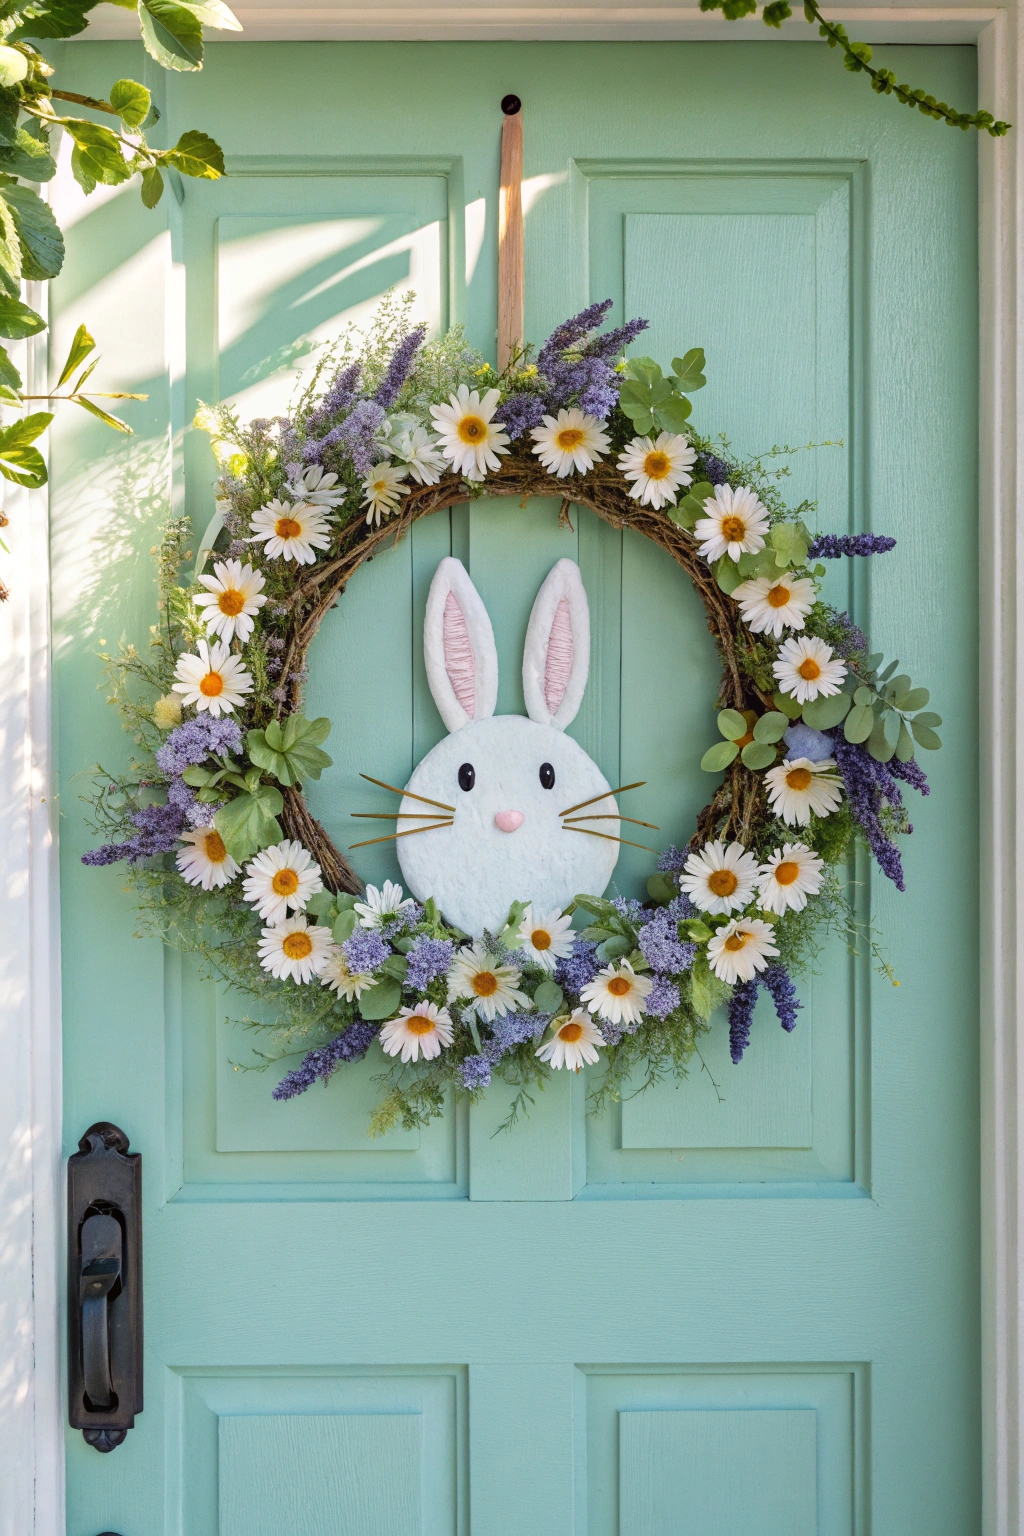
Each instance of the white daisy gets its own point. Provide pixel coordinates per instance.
(418, 450)
(488, 990)
(573, 1042)
(792, 873)
(797, 787)
(292, 530)
(545, 940)
(736, 524)
(167, 712)
(419, 1031)
(720, 878)
(741, 948)
(281, 877)
(771, 605)
(314, 488)
(807, 669)
(348, 984)
(234, 596)
(571, 440)
(294, 950)
(382, 906)
(206, 861)
(383, 490)
(657, 469)
(468, 439)
(617, 993)
(213, 679)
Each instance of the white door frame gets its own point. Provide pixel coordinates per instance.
(31, 1408)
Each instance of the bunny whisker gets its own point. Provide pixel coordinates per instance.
(594, 798)
(421, 798)
(610, 817)
(608, 837)
(396, 815)
(409, 832)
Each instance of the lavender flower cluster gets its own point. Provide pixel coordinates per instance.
(871, 789)
(576, 367)
(778, 983)
(830, 546)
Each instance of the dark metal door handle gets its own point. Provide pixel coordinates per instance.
(104, 1286)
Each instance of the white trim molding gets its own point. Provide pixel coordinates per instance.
(31, 1416)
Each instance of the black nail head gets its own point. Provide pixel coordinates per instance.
(510, 105)
(467, 776)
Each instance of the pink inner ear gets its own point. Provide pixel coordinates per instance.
(559, 662)
(459, 662)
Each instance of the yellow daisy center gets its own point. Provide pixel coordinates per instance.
(569, 437)
(570, 1032)
(297, 945)
(380, 487)
(285, 883)
(786, 873)
(287, 528)
(231, 602)
(211, 685)
(619, 986)
(734, 529)
(778, 597)
(485, 983)
(799, 778)
(540, 938)
(809, 669)
(419, 1024)
(722, 882)
(736, 941)
(657, 465)
(472, 429)
(214, 848)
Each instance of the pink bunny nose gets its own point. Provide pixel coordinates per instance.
(508, 821)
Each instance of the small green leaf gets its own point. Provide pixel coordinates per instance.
(706, 991)
(824, 712)
(152, 186)
(878, 744)
(381, 1001)
(101, 415)
(28, 157)
(643, 369)
(771, 727)
(213, 13)
(732, 724)
(81, 346)
(929, 718)
(345, 925)
(673, 414)
(727, 574)
(131, 101)
(897, 685)
(396, 966)
(97, 154)
(890, 669)
(248, 822)
(924, 735)
(719, 756)
(891, 724)
(612, 948)
(860, 722)
(18, 321)
(758, 754)
(196, 154)
(321, 904)
(864, 696)
(661, 889)
(788, 705)
(696, 929)
(548, 997)
(291, 753)
(913, 700)
(42, 244)
(688, 370)
(19, 462)
(905, 745)
(10, 379)
(171, 34)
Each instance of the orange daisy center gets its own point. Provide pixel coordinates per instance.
(734, 529)
(722, 882)
(619, 986)
(472, 429)
(736, 941)
(570, 1032)
(297, 945)
(485, 983)
(419, 1024)
(787, 872)
(287, 528)
(570, 437)
(799, 778)
(285, 883)
(778, 597)
(809, 669)
(231, 602)
(211, 685)
(657, 465)
(215, 849)
(540, 938)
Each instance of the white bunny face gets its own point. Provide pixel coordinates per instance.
(509, 783)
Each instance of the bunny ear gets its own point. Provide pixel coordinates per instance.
(458, 648)
(556, 659)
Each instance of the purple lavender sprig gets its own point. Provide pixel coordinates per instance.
(587, 377)
(158, 829)
(318, 1064)
(741, 1014)
(776, 980)
(869, 786)
(830, 546)
(399, 366)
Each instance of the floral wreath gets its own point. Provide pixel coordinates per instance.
(815, 734)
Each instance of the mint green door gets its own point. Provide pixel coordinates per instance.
(743, 1313)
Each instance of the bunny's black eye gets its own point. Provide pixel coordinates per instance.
(467, 776)
(547, 776)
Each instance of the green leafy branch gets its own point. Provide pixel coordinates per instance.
(857, 59)
(652, 401)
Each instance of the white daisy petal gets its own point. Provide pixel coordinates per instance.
(205, 861)
(382, 906)
(770, 605)
(792, 873)
(316, 488)
(234, 596)
(418, 450)
(466, 434)
(720, 878)
(657, 469)
(544, 940)
(348, 984)
(483, 987)
(741, 949)
(291, 530)
(213, 679)
(383, 490)
(798, 787)
(421, 1031)
(293, 951)
(806, 668)
(282, 877)
(571, 440)
(573, 1043)
(735, 523)
(617, 993)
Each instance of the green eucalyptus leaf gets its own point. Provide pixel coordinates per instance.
(897, 686)
(381, 1001)
(787, 705)
(864, 696)
(719, 756)
(727, 574)
(929, 718)
(661, 888)
(345, 925)
(688, 370)
(891, 724)
(924, 735)
(771, 727)
(548, 997)
(905, 745)
(824, 712)
(321, 903)
(860, 722)
(878, 744)
(396, 966)
(913, 700)
(758, 754)
(875, 660)
(883, 677)
(613, 948)
(732, 724)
